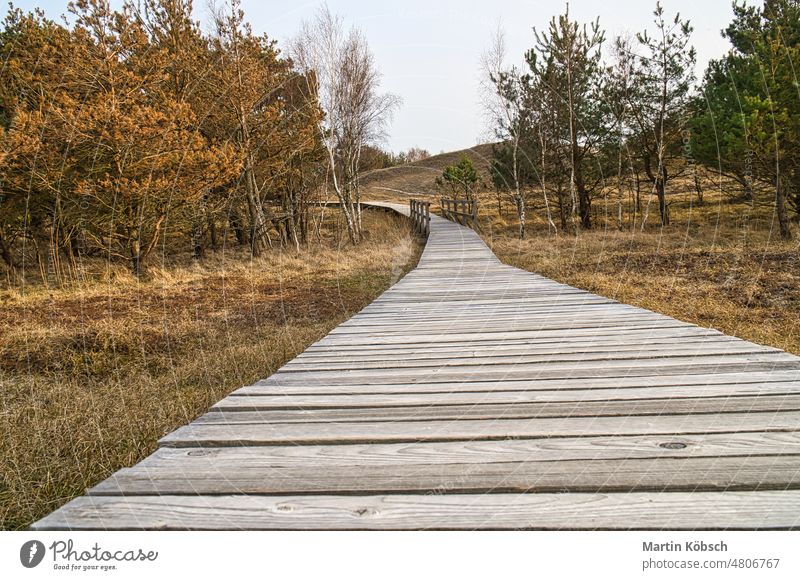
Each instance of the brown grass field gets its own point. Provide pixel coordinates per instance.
(93, 375)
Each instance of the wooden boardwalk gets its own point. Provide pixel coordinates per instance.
(473, 395)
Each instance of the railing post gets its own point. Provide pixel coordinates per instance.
(462, 211)
(420, 215)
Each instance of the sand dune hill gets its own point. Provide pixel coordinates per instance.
(418, 179)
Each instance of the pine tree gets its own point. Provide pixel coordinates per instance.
(567, 62)
(752, 103)
(660, 100)
(461, 178)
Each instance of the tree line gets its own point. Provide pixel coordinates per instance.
(129, 130)
(375, 157)
(586, 119)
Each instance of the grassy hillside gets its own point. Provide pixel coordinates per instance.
(417, 179)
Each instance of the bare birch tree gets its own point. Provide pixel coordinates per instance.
(503, 95)
(345, 78)
(618, 90)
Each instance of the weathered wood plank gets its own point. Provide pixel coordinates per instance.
(303, 364)
(560, 511)
(702, 380)
(210, 435)
(488, 349)
(227, 459)
(748, 473)
(509, 398)
(692, 335)
(575, 370)
(233, 415)
(534, 324)
(671, 328)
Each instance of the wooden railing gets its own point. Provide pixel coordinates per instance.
(421, 217)
(462, 211)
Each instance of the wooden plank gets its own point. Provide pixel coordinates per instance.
(414, 293)
(560, 511)
(273, 386)
(525, 324)
(510, 398)
(748, 473)
(575, 370)
(462, 316)
(303, 364)
(673, 328)
(228, 459)
(565, 333)
(630, 336)
(448, 351)
(200, 434)
(232, 415)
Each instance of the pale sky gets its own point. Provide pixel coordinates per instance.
(428, 51)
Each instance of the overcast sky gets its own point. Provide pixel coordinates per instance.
(428, 50)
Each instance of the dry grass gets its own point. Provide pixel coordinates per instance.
(721, 266)
(92, 376)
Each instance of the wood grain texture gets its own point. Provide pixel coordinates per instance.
(473, 395)
(200, 434)
(226, 459)
(482, 410)
(776, 510)
(573, 476)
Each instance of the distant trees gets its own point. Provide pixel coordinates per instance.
(108, 150)
(373, 157)
(413, 155)
(131, 128)
(619, 91)
(567, 62)
(552, 119)
(239, 88)
(505, 106)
